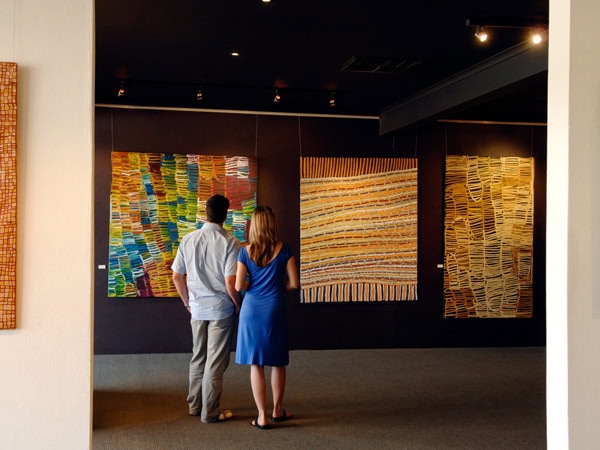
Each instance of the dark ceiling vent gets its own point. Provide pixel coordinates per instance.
(371, 64)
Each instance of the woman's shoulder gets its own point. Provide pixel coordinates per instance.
(243, 251)
(286, 250)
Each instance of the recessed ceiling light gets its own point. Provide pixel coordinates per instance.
(266, 1)
(235, 54)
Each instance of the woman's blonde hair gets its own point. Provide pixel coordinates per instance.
(263, 235)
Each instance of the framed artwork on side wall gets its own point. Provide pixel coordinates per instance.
(8, 195)
(157, 198)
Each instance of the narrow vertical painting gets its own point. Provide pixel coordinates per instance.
(488, 233)
(8, 195)
(358, 229)
(156, 199)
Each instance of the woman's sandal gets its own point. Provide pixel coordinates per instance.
(281, 418)
(255, 423)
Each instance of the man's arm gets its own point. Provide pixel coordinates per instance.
(233, 294)
(182, 290)
(240, 277)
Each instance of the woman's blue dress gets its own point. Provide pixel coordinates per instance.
(263, 328)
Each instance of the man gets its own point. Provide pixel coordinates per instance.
(204, 276)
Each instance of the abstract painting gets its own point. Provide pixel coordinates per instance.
(156, 199)
(358, 229)
(8, 195)
(488, 237)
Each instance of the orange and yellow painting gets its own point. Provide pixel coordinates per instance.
(8, 195)
(358, 229)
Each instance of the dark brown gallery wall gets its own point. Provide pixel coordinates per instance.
(156, 325)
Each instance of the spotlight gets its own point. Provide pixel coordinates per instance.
(536, 37)
(277, 97)
(538, 26)
(481, 34)
(332, 99)
(200, 95)
(121, 91)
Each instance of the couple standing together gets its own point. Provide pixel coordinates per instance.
(210, 271)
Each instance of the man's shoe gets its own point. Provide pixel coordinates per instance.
(226, 414)
(223, 416)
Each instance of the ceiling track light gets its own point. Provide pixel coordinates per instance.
(199, 90)
(481, 34)
(538, 26)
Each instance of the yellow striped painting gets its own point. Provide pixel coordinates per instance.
(8, 195)
(358, 229)
(488, 269)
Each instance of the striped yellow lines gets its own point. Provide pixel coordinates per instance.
(358, 229)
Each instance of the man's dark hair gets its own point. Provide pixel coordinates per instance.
(216, 208)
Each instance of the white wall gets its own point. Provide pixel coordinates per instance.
(573, 244)
(557, 226)
(46, 363)
(584, 226)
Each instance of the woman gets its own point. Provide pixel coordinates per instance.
(271, 270)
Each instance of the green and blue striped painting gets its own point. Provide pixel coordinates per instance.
(157, 198)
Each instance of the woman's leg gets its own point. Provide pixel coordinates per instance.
(259, 390)
(278, 376)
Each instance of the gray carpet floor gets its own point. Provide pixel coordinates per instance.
(459, 398)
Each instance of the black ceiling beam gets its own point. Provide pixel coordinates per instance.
(507, 22)
(504, 69)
